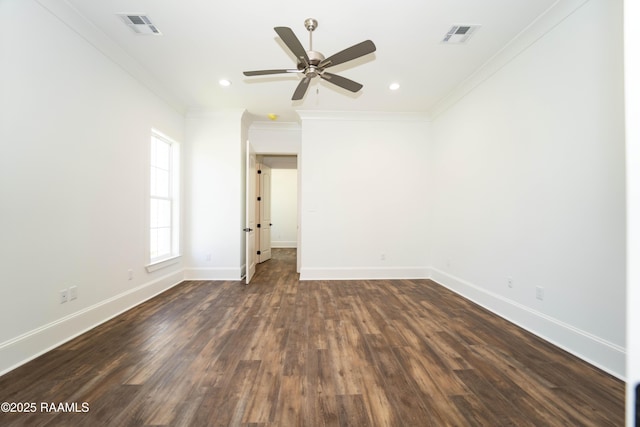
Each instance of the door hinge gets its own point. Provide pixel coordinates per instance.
(259, 226)
(259, 171)
(258, 252)
(259, 198)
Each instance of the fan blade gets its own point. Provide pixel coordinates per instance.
(292, 42)
(301, 89)
(341, 81)
(265, 72)
(350, 53)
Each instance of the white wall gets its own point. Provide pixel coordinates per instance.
(364, 196)
(632, 96)
(214, 197)
(75, 131)
(529, 175)
(275, 137)
(284, 208)
(215, 183)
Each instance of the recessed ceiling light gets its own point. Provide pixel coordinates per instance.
(394, 86)
(225, 82)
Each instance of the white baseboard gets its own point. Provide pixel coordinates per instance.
(20, 350)
(284, 244)
(371, 273)
(213, 273)
(605, 355)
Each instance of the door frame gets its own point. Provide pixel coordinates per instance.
(299, 199)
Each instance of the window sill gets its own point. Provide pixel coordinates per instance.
(158, 265)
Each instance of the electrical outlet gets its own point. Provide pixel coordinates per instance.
(73, 293)
(130, 273)
(64, 296)
(510, 282)
(540, 293)
(383, 257)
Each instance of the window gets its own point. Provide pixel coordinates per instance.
(164, 203)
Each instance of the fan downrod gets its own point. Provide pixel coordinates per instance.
(314, 57)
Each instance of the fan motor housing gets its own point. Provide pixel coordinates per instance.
(312, 70)
(315, 58)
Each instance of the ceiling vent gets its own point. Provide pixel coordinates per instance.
(459, 34)
(140, 24)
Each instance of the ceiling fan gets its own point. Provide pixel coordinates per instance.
(313, 64)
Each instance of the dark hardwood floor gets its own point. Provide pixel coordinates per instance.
(280, 352)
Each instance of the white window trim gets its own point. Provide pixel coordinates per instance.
(176, 239)
(158, 265)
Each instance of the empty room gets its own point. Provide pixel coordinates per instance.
(276, 213)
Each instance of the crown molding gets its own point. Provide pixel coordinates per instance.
(84, 28)
(368, 116)
(240, 113)
(276, 126)
(545, 23)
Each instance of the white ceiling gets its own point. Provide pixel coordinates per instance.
(204, 41)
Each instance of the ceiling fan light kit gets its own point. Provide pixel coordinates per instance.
(313, 64)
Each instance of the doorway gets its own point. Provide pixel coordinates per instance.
(276, 208)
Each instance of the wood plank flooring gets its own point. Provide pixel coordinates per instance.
(280, 352)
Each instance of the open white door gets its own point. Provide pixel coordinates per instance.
(264, 226)
(250, 221)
